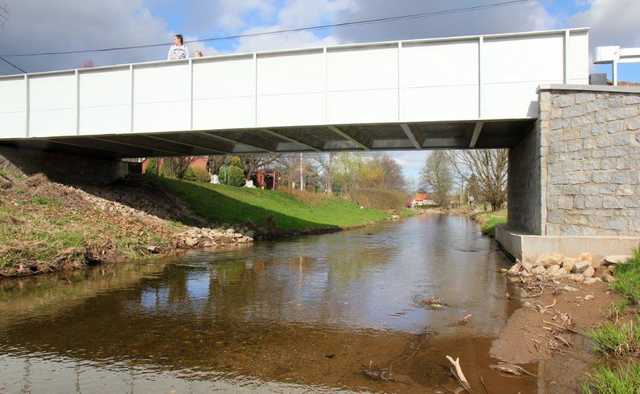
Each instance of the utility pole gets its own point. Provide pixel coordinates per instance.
(301, 174)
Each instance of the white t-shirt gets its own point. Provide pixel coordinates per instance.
(177, 52)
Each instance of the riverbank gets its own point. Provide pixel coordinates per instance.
(578, 322)
(272, 214)
(48, 227)
(486, 219)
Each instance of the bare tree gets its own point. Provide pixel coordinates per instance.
(487, 170)
(437, 177)
(178, 166)
(325, 162)
(215, 162)
(256, 161)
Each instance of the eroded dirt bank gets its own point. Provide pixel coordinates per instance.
(48, 227)
(562, 299)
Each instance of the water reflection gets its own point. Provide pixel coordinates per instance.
(305, 311)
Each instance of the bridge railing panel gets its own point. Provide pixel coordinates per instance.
(362, 84)
(291, 88)
(162, 97)
(439, 81)
(52, 105)
(513, 68)
(13, 109)
(224, 93)
(105, 101)
(578, 65)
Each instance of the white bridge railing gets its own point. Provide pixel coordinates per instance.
(445, 79)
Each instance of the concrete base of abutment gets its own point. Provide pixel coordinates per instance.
(527, 247)
(574, 179)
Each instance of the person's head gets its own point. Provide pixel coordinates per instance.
(199, 54)
(178, 40)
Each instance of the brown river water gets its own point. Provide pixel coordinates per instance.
(302, 315)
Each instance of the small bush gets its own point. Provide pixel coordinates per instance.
(197, 175)
(232, 176)
(623, 380)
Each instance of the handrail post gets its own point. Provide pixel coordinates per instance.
(77, 104)
(480, 45)
(131, 98)
(325, 95)
(27, 106)
(565, 56)
(399, 87)
(190, 94)
(255, 89)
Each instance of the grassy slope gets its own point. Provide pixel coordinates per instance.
(44, 226)
(234, 205)
(620, 339)
(489, 220)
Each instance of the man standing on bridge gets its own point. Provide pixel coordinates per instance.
(178, 50)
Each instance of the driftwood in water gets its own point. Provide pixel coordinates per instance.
(458, 374)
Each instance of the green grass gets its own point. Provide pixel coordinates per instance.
(607, 380)
(235, 205)
(616, 338)
(628, 279)
(621, 339)
(489, 221)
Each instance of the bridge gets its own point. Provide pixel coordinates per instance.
(574, 148)
(458, 92)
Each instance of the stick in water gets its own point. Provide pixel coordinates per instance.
(459, 374)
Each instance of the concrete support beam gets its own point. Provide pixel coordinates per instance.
(235, 142)
(161, 152)
(476, 134)
(409, 133)
(170, 141)
(346, 136)
(293, 140)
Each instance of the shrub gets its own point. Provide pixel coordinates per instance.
(197, 175)
(232, 176)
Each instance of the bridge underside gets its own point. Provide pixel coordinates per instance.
(374, 137)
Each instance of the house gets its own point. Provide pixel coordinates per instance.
(422, 199)
(266, 179)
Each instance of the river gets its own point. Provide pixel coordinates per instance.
(302, 315)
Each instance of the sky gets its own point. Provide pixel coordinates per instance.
(30, 26)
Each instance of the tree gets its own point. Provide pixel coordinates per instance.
(215, 162)
(178, 166)
(393, 179)
(256, 161)
(488, 169)
(325, 164)
(437, 177)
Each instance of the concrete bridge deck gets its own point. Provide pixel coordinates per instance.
(458, 92)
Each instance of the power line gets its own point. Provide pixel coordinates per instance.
(292, 30)
(12, 65)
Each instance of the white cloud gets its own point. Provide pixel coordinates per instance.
(611, 22)
(73, 24)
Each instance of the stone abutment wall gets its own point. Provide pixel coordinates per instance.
(585, 153)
